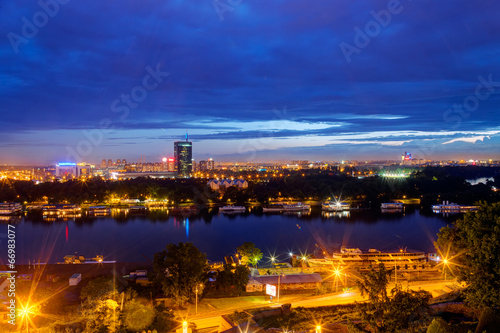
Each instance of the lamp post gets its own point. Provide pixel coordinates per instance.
(196, 303)
(337, 277)
(445, 263)
(279, 283)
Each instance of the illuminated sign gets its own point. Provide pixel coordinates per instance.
(270, 290)
(66, 164)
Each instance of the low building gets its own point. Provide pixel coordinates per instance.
(286, 282)
(217, 185)
(75, 279)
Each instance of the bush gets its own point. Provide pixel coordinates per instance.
(438, 325)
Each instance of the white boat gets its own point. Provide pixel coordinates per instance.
(138, 209)
(350, 256)
(232, 209)
(99, 211)
(450, 207)
(273, 208)
(392, 207)
(356, 257)
(299, 206)
(61, 211)
(335, 206)
(10, 208)
(77, 259)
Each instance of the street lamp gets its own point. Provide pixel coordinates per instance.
(445, 263)
(196, 293)
(337, 276)
(25, 312)
(279, 283)
(318, 329)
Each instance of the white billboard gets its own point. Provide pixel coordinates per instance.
(270, 290)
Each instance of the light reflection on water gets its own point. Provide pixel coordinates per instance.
(131, 238)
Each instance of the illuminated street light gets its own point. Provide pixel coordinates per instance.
(337, 276)
(26, 311)
(318, 329)
(196, 293)
(445, 264)
(279, 283)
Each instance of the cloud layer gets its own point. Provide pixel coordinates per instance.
(269, 80)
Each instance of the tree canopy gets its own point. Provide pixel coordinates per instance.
(249, 253)
(400, 312)
(179, 269)
(471, 247)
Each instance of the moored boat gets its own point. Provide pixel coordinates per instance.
(232, 209)
(10, 208)
(450, 207)
(335, 206)
(138, 209)
(273, 208)
(78, 259)
(99, 211)
(297, 207)
(61, 211)
(356, 257)
(392, 207)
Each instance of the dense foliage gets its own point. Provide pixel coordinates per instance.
(404, 311)
(432, 185)
(248, 253)
(472, 247)
(179, 269)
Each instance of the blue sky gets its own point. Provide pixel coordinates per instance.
(250, 80)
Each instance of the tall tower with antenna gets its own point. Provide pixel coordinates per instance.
(183, 155)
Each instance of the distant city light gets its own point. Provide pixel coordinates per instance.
(66, 164)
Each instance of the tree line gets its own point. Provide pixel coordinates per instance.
(431, 185)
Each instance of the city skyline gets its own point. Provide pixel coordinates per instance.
(250, 81)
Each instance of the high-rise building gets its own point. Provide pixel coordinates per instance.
(110, 163)
(103, 163)
(207, 165)
(171, 164)
(183, 155)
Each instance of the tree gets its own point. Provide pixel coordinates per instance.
(100, 306)
(249, 253)
(402, 310)
(438, 325)
(179, 269)
(472, 249)
(138, 316)
(233, 278)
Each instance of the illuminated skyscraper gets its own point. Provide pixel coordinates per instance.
(183, 154)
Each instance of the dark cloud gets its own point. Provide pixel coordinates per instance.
(264, 56)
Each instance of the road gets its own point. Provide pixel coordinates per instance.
(212, 319)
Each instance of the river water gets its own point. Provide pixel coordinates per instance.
(135, 238)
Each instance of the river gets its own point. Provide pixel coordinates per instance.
(135, 238)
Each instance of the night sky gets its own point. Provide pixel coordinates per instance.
(250, 80)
